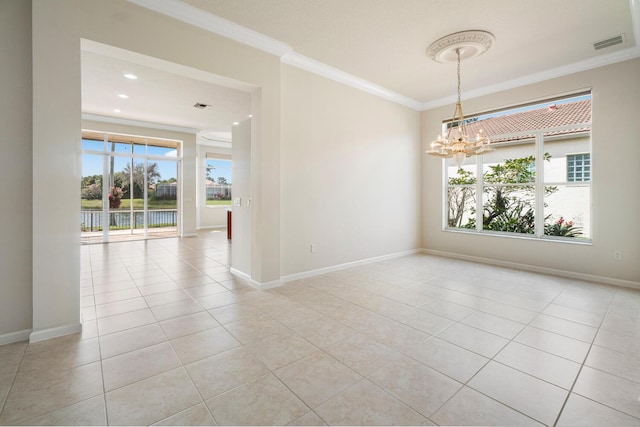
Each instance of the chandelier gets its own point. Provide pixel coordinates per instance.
(456, 142)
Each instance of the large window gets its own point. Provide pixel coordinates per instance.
(129, 188)
(218, 181)
(533, 184)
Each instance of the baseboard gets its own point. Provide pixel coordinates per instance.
(189, 235)
(58, 331)
(212, 227)
(338, 267)
(17, 336)
(537, 269)
(319, 271)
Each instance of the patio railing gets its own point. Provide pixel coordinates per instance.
(123, 220)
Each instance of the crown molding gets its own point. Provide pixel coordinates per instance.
(219, 143)
(189, 14)
(576, 67)
(324, 70)
(210, 22)
(139, 123)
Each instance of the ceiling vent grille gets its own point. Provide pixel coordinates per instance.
(200, 105)
(609, 42)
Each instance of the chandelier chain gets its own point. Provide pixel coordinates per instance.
(458, 54)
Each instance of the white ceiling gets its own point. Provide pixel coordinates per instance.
(162, 94)
(378, 45)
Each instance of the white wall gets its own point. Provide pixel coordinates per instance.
(56, 161)
(350, 174)
(241, 224)
(15, 170)
(615, 172)
(58, 28)
(347, 165)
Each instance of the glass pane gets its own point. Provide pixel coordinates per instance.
(567, 159)
(91, 144)
(119, 197)
(91, 199)
(119, 147)
(509, 208)
(139, 148)
(510, 164)
(566, 211)
(162, 181)
(154, 150)
(218, 182)
(465, 174)
(461, 202)
(137, 196)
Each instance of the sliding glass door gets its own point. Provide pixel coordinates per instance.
(130, 187)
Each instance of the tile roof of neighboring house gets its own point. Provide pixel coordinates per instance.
(539, 118)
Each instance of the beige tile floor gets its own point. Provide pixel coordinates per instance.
(171, 338)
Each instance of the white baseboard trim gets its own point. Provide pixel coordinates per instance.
(260, 286)
(211, 227)
(331, 269)
(58, 331)
(17, 336)
(537, 269)
(319, 271)
(189, 235)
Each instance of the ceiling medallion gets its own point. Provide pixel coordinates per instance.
(471, 43)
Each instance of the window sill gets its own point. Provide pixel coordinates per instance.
(553, 239)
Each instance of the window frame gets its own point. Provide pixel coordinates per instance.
(582, 164)
(539, 185)
(217, 156)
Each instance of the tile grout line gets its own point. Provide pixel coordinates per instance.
(104, 392)
(466, 384)
(13, 381)
(575, 381)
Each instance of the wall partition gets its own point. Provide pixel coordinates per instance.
(130, 187)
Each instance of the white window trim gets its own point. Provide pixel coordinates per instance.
(216, 156)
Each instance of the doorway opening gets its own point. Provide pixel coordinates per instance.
(130, 187)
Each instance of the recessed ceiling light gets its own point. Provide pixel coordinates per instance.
(123, 96)
(131, 76)
(250, 116)
(115, 110)
(236, 123)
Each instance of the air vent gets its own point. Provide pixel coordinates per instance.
(609, 42)
(200, 105)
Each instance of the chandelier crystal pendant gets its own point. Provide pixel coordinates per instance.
(456, 142)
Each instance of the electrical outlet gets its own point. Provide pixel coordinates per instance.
(313, 248)
(617, 255)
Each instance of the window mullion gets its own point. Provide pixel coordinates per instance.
(479, 184)
(539, 185)
(445, 195)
